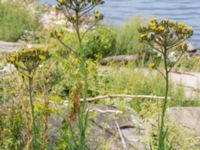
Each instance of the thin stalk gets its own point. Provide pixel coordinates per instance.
(30, 80)
(164, 107)
(82, 117)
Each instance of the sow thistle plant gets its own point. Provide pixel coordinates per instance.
(26, 62)
(77, 12)
(166, 37)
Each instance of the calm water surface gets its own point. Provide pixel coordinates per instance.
(118, 11)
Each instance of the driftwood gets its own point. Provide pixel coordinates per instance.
(91, 99)
(104, 111)
(119, 58)
(125, 96)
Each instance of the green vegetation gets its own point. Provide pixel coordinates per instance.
(165, 37)
(43, 103)
(26, 62)
(127, 41)
(15, 20)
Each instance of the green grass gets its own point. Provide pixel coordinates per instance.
(15, 18)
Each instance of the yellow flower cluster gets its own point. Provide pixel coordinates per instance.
(98, 15)
(165, 29)
(28, 58)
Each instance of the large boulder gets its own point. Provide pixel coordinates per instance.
(118, 130)
(109, 128)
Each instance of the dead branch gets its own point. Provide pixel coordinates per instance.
(125, 96)
(105, 111)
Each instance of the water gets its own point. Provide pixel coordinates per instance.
(187, 11)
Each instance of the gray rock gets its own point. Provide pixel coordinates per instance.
(102, 130)
(188, 117)
(9, 46)
(104, 126)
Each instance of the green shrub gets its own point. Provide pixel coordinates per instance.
(15, 18)
(98, 43)
(127, 41)
(101, 42)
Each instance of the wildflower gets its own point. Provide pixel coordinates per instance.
(142, 36)
(11, 59)
(181, 25)
(153, 20)
(152, 66)
(161, 28)
(21, 75)
(190, 28)
(61, 1)
(58, 35)
(42, 57)
(28, 59)
(97, 14)
(153, 26)
(55, 7)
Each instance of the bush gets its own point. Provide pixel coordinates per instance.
(14, 20)
(127, 41)
(98, 43)
(101, 42)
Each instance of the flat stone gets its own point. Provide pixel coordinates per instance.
(188, 117)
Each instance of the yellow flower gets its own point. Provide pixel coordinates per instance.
(153, 26)
(97, 14)
(161, 28)
(142, 36)
(153, 19)
(152, 66)
(61, 1)
(97, 11)
(55, 7)
(181, 25)
(12, 59)
(58, 35)
(190, 28)
(42, 57)
(21, 75)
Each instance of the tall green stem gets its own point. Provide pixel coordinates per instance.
(30, 80)
(83, 113)
(162, 133)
